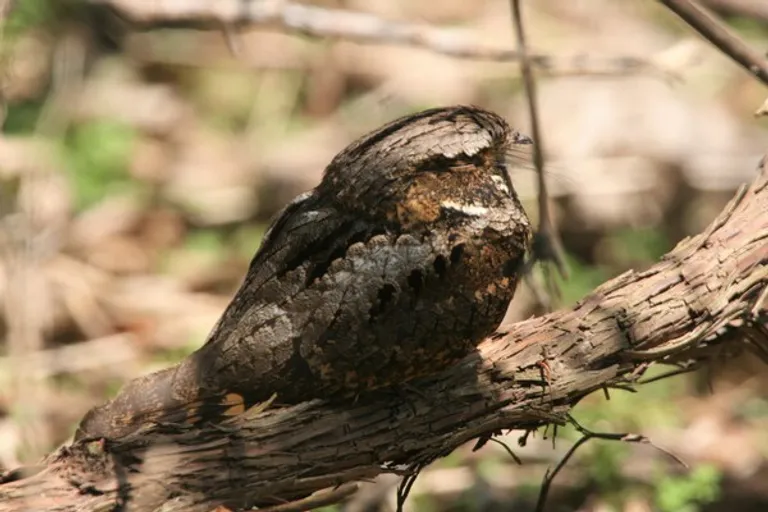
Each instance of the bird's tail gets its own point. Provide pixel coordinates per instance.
(165, 397)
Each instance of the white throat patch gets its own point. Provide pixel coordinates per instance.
(472, 210)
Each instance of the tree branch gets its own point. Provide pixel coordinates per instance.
(294, 17)
(717, 33)
(704, 299)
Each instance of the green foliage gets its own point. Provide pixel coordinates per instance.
(22, 117)
(529, 490)
(605, 465)
(213, 244)
(225, 97)
(202, 248)
(630, 247)
(27, 14)
(96, 155)
(205, 241)
(329, 508)
(688, 492)
(247, 238)
(652, 406)
(113, 386)
(170, 356)
(583, 279)
(424, 502)
(41, 14)
(752, 408)
(749, 28)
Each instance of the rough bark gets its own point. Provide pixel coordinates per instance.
(706, 298)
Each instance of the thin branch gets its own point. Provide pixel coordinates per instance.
(317, 500)
(717, 33)
(547, 246)
(549, 476)
(508, 450)
(682, 370)
(587, 435)
(404, 489)
(626, 437)
(365, 28)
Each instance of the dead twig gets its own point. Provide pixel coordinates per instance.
(405, 487)
(547, 246)
(365, 28)
(508, 450)
(317, 500)
(587, 435)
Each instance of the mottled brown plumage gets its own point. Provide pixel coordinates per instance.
(403, 258)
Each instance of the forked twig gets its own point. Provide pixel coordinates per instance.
(625, 437)
(404, 489)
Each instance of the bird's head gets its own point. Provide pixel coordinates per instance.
(436, 166)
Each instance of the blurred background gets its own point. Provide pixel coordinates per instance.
(140, 164)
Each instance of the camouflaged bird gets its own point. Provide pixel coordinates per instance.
(396, 266)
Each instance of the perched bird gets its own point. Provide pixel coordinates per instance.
(397, 265)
